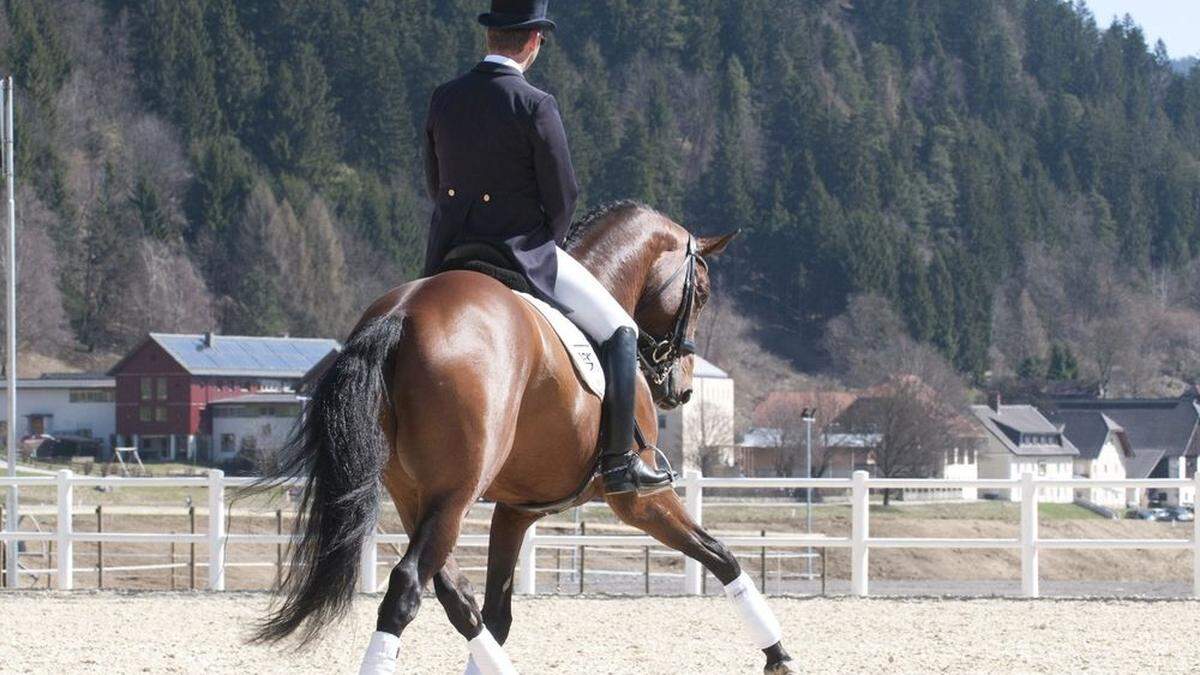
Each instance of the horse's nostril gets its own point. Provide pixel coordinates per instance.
(685, 396)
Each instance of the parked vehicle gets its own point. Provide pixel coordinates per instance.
(1142, 514)
(1181, 514)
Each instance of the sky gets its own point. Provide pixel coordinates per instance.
(1177, 22)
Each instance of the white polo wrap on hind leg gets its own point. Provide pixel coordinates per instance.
(381, 656)
(757, 617)
(488, 657)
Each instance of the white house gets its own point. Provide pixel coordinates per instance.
(256, 423)
(75, 404)
(700, 433)
(1164, 437)
(1021, 440)
(1104, 451)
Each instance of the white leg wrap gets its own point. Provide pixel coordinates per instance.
(472, 667)
(488, 656)
(381, 655)
(757, 617)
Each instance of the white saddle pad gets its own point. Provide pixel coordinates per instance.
(583, 356)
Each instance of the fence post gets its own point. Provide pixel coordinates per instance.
(369, 564)
(860, 499)
(66, 546)
(693, 574)
(216, 530)
(528, 583)
(1029, 535)
(100, 547)
(1196, 535)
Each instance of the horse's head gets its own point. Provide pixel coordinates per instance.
(659, 273)
(668, 310)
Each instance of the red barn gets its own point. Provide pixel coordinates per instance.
(165, 385)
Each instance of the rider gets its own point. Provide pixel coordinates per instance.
(499, 171)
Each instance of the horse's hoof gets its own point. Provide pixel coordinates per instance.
(782, 668)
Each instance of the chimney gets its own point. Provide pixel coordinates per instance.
(208, 340)
(994, 401)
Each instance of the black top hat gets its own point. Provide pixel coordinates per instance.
(516, 14)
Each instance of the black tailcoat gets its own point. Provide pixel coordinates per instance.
(499, 171)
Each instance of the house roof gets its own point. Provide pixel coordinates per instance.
(1143, 462)
(241, 356)
(1169, 424)
(1088, 430)
(762, 437)
(703, 368)
(1015, 420)
(64, 381)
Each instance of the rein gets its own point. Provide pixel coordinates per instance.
(658, 356)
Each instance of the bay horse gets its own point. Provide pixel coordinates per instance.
(452, 389)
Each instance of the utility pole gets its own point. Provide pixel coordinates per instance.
(6, 135)
(809, 415)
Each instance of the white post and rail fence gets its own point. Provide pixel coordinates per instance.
(860, 542)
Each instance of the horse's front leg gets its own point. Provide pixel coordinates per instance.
(504, 547)
(664, 517)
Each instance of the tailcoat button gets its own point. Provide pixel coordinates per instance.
(487, 198)
(450, 192)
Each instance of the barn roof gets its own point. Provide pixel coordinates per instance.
(241, 356)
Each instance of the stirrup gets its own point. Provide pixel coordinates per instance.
(621, 479)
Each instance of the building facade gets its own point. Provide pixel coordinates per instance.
(1020, 440)
(700, 434)
(75, 405)
(166, 387)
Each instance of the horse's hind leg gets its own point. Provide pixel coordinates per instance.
(431, 541)
(504, 544)
(663, 517)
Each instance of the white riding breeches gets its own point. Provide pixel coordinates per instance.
(593, 308)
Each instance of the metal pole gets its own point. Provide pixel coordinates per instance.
(192, 549)
(99, 547)
(647, 570)
(582, 556)
(278, 548)
(13, 500)
(808, 420)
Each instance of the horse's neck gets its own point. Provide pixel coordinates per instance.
(623, 268)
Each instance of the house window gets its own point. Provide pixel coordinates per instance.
(160, 413)
(1041, 468)
(147, 388)
(146, 413)
(91, 396)
(227, 443)
(162, 388)
(662, 421)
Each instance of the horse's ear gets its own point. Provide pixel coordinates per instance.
(714, 246)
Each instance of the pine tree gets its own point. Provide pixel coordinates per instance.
(303, 126)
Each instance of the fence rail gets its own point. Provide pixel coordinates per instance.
(860, 543)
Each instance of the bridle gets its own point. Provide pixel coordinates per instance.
(658, 356)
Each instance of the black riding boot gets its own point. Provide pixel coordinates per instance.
(622, 468)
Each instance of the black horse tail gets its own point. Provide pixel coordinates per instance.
(339, 451)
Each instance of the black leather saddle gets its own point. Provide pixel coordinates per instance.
(488, 259)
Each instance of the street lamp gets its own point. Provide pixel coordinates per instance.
(808, 415)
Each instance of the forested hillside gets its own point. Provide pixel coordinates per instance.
(1016, 184)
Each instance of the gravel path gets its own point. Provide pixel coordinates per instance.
(198, 633)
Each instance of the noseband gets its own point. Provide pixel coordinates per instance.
(659, 355)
